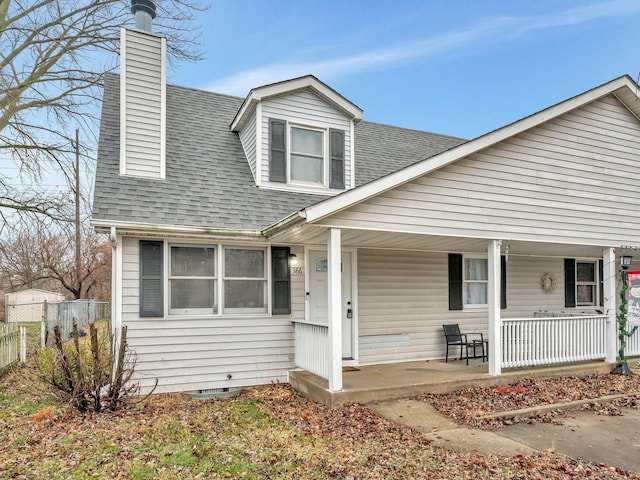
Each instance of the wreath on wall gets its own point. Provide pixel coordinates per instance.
(548, 282)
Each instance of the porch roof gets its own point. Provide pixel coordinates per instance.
(354, 238)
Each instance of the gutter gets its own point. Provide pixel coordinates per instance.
(125, 228)
(296, 217)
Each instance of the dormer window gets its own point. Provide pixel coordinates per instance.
(301, 155)
(306, 162)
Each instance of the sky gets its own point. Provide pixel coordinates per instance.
(455, 67)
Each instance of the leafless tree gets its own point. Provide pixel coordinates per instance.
(54, 56)
(42, 259)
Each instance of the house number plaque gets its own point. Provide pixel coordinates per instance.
(297, 271)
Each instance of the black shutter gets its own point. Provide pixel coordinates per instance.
(151, 297)
(336, 177)
(503, 282)
(281, 280)
(601, 279)
(569, 282)
(455, 281)
(277, 151)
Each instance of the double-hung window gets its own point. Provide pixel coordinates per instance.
(586, 283)
(306, 162)
(192, 279)
(245, 280)
(213, 279)
(475, 281)
(306, 156)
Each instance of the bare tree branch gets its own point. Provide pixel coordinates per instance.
(54, 56)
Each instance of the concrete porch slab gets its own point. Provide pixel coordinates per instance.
(377, 383)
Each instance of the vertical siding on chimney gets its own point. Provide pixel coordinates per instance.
(143, 104)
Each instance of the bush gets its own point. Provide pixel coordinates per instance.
(87, 371)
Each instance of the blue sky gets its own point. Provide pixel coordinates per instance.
(458, 67)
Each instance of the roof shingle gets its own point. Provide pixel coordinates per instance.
(208, 181)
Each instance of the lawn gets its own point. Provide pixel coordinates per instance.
(266, 432)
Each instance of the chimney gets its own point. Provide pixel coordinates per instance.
(145, 12)
(142, 96)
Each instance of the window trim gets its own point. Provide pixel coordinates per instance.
(216, 280)
(464, 281)
(265, 279)
(571, 282)
(595, 283)
(289, 141)
(219, 289)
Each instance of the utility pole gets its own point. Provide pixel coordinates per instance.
(78, 233)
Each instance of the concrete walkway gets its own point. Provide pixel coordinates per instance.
(611, 440)
(444, 432)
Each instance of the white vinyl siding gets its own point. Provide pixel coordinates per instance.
(248, 140)
(142, 132)
(404, 295)
(304, 109)
(573, 179)
(195, 352)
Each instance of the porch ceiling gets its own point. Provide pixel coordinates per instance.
(314, 235)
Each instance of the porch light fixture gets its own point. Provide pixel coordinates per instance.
(625, 261)
(293, 259)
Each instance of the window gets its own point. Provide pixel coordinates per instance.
(245, 280)
(307, 156)
(311, 156)
(475, 281)
(586, 283)
(583, 283)
(213, 279)
(192, 279)
(469, 284)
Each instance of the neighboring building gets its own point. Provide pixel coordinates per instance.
(254, 236)
(28, 305)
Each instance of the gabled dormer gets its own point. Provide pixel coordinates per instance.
(298, 135)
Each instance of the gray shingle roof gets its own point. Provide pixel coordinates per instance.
(208, 180)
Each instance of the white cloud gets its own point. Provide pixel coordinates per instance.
(487, 32)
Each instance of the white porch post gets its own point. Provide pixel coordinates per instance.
(334, 273)
(493, 301)
(609, 294)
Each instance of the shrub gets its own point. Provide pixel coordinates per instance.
(87, 371)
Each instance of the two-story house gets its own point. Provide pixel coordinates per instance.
(252, 236)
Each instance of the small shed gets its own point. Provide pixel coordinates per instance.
(27, 305)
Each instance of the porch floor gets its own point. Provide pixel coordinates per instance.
(371, 383)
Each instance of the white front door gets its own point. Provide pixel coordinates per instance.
(318, 296)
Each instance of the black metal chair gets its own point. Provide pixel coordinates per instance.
(455, 338)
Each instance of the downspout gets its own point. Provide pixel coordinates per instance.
(116, 295)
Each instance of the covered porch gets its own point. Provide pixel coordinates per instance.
(534, 334)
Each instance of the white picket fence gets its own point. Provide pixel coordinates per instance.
(13, 344)
(553, 340)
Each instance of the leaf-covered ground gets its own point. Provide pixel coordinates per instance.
(267, 432)
(467, 405)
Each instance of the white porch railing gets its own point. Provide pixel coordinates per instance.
(312, 348)
(549, 340)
